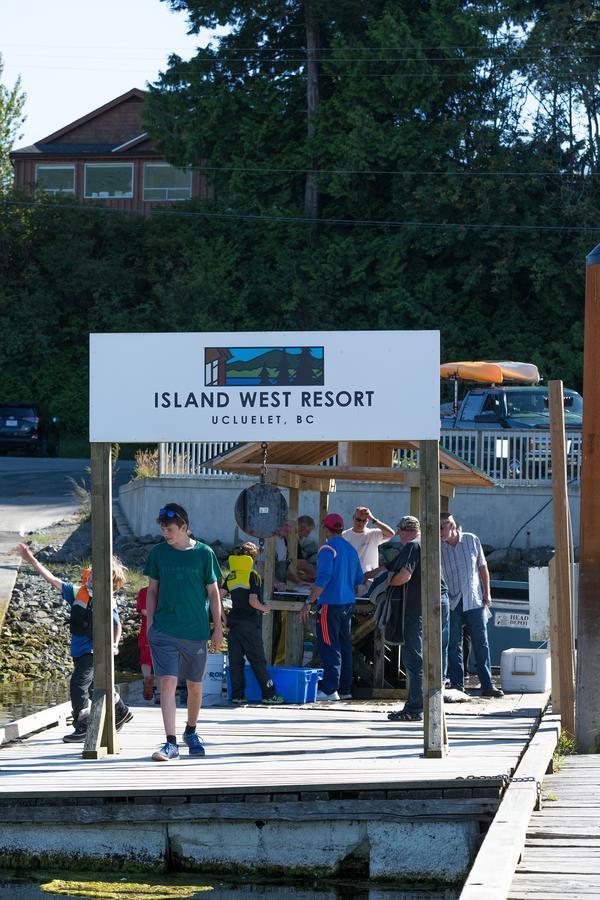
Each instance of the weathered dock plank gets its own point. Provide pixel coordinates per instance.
(255, 749)
(561, 857)
(492, 872)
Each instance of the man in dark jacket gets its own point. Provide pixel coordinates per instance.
(407, 577)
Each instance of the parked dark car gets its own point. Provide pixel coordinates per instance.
(499, 418)
(510, 407)
(28, 426)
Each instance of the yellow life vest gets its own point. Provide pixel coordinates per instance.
(239, 574)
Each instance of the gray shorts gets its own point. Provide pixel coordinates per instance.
(177, 656)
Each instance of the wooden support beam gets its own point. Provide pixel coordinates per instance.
(560, 511)
(268, 579)
(323, 507)
(554, 636)
(293, 521)
(95, 743)
(415, 502)
(294, 639)
(378, 659)
(294, 629)
(285, 479)
(395, 475)
(435, 740)
(99, 744)
(588, 619)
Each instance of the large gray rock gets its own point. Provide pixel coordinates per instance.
(538, 556)
(505, 560)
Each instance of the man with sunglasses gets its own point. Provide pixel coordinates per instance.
(366, 541)
(183, 580)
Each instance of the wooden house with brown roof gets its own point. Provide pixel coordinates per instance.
(106, 157)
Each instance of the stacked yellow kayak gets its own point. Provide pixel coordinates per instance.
(488, 372)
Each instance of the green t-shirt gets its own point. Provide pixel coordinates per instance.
(182, 575)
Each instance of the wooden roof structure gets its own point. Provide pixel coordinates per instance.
(299, 464)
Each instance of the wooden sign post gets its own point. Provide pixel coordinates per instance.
(588, 620)
(101, 738)
(435, 740)
(562, 567)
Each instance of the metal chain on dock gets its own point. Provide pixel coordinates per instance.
(263, 468)
(506, 780)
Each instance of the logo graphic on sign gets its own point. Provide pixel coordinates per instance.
(301, 366)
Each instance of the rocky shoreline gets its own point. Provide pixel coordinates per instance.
(34, 643)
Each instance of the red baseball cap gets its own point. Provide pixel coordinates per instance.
(333, 521)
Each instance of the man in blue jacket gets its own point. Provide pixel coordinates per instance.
(338, 574)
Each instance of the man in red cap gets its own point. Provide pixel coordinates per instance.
(339, 573)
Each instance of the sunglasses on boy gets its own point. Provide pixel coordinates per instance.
(169, 515)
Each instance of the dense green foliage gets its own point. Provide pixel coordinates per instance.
(435, 120)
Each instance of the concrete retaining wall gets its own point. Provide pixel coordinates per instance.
(495, 514)
(417, 851)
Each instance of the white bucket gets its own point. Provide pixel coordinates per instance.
(213, 677)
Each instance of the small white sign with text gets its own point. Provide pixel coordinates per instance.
(269, 386)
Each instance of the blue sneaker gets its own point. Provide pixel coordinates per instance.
(194, 743)
(166, 752)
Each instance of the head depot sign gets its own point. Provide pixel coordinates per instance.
(271, 386)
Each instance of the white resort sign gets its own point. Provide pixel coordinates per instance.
(272, 386)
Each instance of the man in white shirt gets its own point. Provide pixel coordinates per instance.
(366, 541)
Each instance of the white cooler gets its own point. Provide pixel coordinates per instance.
(525, 671)
(213, 679)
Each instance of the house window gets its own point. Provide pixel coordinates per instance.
(59, 179)
(211, 372)
(108, 180)
(165, 182)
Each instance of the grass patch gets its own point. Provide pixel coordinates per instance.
(565, 747)
(146, 463)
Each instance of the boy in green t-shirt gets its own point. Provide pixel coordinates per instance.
(187, 573)
(245, 625)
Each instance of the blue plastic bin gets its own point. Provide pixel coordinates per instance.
(294, 685)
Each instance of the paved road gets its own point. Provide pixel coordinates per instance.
(35, 493)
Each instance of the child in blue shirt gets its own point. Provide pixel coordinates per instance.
(78, 599)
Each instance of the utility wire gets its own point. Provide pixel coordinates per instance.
(405, 173)
(303, 220)
(259, 56)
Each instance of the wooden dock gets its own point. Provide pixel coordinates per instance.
(276, 786)
(561, 858)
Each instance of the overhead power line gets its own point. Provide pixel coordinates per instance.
(405, 173)
(301, 220)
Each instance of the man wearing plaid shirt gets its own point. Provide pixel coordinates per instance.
(466, 573)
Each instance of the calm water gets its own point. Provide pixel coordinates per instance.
(136, 887)
(24, 698)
